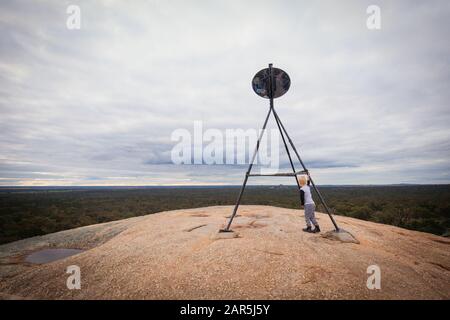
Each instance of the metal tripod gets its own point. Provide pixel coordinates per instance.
(294, 173)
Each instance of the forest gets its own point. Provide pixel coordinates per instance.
(27, 212)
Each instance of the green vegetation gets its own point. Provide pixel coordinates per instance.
(26, 212)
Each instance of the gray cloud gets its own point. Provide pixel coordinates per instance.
(98, 105)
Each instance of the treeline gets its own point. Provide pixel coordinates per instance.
(36, 211)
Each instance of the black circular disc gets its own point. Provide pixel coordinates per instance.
(261, 83)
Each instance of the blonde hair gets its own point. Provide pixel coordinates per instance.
(302, 180)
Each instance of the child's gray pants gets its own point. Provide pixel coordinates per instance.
(309, 214)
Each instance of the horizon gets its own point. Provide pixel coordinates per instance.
(224, 185)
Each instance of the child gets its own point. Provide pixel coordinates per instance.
(309, 205)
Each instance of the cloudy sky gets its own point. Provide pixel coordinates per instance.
(98, 105)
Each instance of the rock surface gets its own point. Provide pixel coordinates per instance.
(177, 255)
(341, 235)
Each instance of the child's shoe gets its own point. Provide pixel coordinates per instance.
(307, 229)
(316, 229)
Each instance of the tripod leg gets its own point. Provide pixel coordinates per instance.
(309, 177)
(287, 148)
(248, 172)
